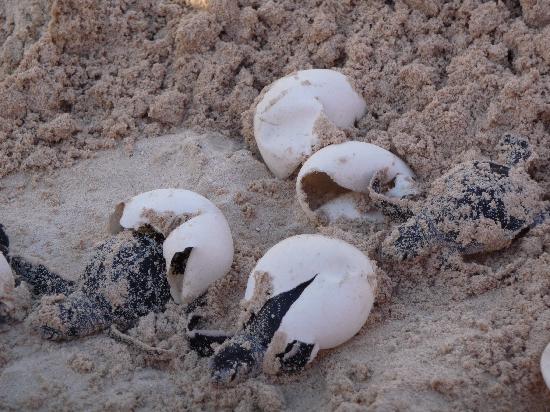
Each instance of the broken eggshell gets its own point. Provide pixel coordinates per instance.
(160, 209)
(545, 365)
(334, 182)
(308, 292)
(197, 253)
(198, 246)
(285, 118)
(336, 304)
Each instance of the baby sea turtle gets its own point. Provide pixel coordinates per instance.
(167, 242)
(478, 206)
(308, 292)
(125, 279)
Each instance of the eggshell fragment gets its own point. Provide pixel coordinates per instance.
(175, 202)
(545, 365)
(7, 283)
(210, 259)
(333, 182)
(187, 220)
(334, 307)
(284, 121)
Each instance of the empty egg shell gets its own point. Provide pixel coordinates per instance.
(333, 183)
(172, 204)
(334, 307)
(7, 283)
(284, 121)
(198, 246)
(197, 253)
(545, 365)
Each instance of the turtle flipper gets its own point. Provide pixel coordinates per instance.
(43, 281)
(296, 356)
(201, 340)
(408, 240)
(69, 317)
(395, 208)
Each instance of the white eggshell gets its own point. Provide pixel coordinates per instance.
(334, 307)
(211, 257)
(285, 117)
(7, 283)
(176, 201)
(351, 166)
(545, 365)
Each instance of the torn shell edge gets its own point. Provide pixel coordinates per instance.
(210, 258)
(351, 166)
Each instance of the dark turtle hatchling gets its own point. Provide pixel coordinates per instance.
(478, 206)
(125, 279)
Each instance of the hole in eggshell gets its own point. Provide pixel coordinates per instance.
(319, 188)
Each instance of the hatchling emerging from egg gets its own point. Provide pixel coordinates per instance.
(161, 246)
(478, 206)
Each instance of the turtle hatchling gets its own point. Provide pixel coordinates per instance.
(308, 292)
(478, 206)
(126, 277)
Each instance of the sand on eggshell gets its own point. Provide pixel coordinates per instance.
(442, 82)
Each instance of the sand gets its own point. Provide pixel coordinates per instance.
(89, 92)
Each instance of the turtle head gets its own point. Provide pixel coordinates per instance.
(236, 360)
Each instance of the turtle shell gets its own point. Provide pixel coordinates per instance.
(480, 206)
(127, 275)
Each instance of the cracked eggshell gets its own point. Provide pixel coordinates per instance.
(7, 283)
(132, 214)
(331, 184)
(284, 120)
(334, 307)
(211, 257)
(545, 365)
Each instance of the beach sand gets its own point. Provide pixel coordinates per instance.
(102, 100)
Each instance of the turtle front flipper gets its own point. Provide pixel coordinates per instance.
(410, 239)
(62, 318)
(40, 278)
(201, 340)
(396, 208)
(242, 356)
(296, 356)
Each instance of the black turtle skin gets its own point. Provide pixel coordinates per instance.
(242, 355)
(125, 279)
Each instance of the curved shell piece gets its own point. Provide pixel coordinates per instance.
(198, 247)
(284, 121)
(7, 283)
(172, 203)
(209, 245)
(545, 365)
(336, 304)
(333, 182)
